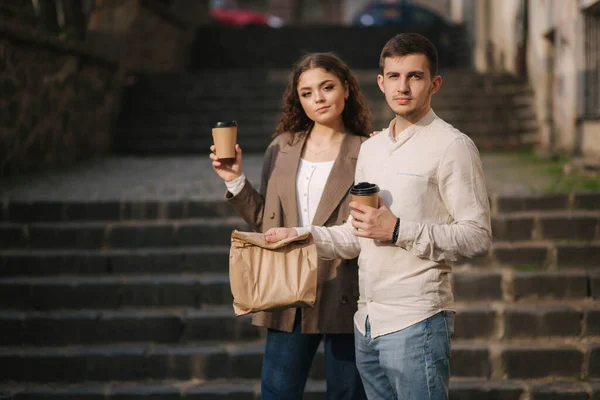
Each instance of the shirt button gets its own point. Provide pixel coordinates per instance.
(344, 300)
(272, 216)
(305, 195)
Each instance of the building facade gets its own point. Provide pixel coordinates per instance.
(555, 44)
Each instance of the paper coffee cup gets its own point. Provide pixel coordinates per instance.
(365, 193)
(224, 138)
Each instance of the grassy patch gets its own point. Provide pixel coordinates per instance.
(542, 174)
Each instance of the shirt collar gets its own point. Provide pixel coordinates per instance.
(411, 130)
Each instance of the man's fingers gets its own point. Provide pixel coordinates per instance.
(359, 225)
(360, 233)
(358, 206)
(360, 216)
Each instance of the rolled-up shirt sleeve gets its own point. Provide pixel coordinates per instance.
(462, 188)
(235, 186)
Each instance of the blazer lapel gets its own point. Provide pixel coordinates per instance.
(288, 163)
(340, 180)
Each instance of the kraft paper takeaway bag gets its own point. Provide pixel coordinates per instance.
(272, 276)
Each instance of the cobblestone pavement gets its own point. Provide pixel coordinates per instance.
(191, 177)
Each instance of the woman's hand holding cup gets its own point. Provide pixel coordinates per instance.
(228, 169)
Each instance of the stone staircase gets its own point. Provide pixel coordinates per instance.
(130, 300)
(172, 114)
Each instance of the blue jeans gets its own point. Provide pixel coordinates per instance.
(411, 364)
(288, 357)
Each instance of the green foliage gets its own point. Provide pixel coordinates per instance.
(528, 267)
(539, 174)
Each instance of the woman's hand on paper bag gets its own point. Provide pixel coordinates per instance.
(276, 234)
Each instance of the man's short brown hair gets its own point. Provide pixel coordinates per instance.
(410, 43)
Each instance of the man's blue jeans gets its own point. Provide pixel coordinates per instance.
(411, 364)
(288, 357)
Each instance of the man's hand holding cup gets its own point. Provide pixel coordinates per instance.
(371, 222)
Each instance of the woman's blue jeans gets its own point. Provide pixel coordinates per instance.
(289, 355)
(411, 364)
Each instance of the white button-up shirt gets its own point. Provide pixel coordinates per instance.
(310, 184)
(431, 177)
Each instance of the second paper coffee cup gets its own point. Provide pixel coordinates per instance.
(366, 193)
(225, 137)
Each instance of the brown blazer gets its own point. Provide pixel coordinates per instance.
(276, 206)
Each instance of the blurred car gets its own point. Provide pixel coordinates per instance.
(228, 13)
(406, 14)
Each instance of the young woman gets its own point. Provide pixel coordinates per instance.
(308, 170)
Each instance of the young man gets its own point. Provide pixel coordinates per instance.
(433, 210)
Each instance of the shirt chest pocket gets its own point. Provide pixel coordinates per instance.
(411, 190)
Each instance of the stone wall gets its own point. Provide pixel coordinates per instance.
(144, 35)
(57, 102)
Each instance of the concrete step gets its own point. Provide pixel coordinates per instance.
(482, 109)
(181, 106)
(576, 225)
(543, 254)
(527, 320)
(126, 234)
(134, 255)
(460, 389)
(193, 389)
(508, 285)
(198, 96)
(223, 77)
(456, 114)
(240, 99)
(203, 120)
(546, 202)
(111, 210)
(198, 127)
(255, 141)
(124, 210)
(220, 360)
(500, 321)
(170, 140)
(559, 225)
(31, 262)
(196, 290)
(134, 325)
(114, 292)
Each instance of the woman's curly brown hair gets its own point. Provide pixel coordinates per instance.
(356, 115)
